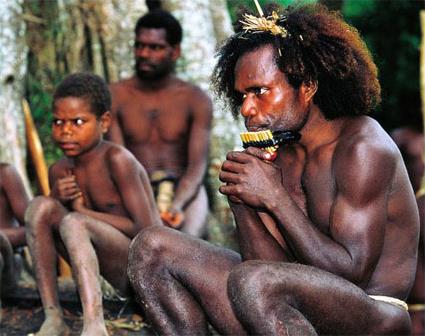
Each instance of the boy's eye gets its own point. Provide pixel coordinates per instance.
(57, 122)
(78, 122)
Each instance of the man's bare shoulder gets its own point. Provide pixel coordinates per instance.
(365, 155)
(191, 90)
(122, 87)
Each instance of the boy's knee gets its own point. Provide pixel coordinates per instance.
(72, 222)
(39, 206)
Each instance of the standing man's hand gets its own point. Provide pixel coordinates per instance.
(249, 178)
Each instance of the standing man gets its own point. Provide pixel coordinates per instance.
(328, 231)
(165, 122)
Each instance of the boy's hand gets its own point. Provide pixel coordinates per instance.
(78, 202)
(66, 188)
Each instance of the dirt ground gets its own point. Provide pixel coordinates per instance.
(22, 313)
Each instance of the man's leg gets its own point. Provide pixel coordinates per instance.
(195, 222)
(42, 219)
(7, 267)
(180, 282)
(272, 298)
(94, 248)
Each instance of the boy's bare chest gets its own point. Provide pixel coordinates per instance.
(98, 188)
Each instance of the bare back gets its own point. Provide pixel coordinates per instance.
(156, 124)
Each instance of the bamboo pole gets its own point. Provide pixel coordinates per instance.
(37, 157)
(421, 191)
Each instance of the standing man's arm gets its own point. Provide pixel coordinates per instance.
(199, 137)
(115, 133)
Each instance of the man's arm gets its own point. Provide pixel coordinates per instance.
(15, 192)
(363, 176)
(133, 186)
(17, 198)
(115, 133)
(191, 180)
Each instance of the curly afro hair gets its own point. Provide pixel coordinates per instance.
(87, 86)
(320, 47)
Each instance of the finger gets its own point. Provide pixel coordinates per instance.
(258, 153)
(240, 157)
(227, 177)
(76, 195)
(67, 179)
(228, 190)
(233, 167)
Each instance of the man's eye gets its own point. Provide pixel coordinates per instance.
(260, 91)
(244, 96)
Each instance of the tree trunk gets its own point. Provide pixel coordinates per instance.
(206, 23)
(12, 70)
(71, 36)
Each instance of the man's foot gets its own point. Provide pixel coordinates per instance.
(54, 326)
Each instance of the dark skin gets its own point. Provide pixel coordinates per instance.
(411, 144)
(165, 122)
(101, 198)
(318, 229)
(13, 202)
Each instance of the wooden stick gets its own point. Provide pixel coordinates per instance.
(37, 156)
(260, 11)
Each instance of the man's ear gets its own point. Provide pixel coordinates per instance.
(309, 89)
(105, 121)
(175, 54)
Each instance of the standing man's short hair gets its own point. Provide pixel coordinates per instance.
(160, 18)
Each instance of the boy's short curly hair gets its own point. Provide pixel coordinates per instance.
(87, 86)
(320, 47)
(159, 18)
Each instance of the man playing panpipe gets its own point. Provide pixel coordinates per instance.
(328, 231)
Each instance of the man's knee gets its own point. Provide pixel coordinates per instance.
(248, 277)
(146, 248)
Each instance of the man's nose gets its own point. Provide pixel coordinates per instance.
(142, 51)
(249, 107)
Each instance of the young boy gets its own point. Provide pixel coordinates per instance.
(101, 198)
(13, 202)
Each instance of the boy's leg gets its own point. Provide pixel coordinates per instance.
(293, 299)
(42, 219)
(94, 248)
(180, 282)
(7, 269)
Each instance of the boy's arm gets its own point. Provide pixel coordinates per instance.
(134, 188)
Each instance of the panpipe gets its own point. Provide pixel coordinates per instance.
(269, 141)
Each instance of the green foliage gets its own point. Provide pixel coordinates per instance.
(391, 30)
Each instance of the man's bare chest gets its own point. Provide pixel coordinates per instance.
(155, 122)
